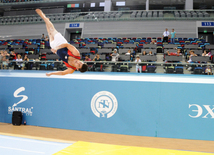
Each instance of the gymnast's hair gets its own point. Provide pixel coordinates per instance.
(84, 68)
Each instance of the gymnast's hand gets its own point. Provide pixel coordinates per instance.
(48, 74)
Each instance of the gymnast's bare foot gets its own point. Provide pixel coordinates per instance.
(41, 14)
(39, 11)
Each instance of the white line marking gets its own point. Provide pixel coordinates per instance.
(131, 77)
(32, 140)
(36, 138)
(21, 150)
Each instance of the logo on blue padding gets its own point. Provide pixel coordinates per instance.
(16, 106)
(104, 104)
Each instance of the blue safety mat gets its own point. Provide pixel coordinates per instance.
(23, 146)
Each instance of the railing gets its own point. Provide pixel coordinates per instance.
(120, 66)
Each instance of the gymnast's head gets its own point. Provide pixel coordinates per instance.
(84, 68)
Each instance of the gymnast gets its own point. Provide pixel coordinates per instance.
(59, 45)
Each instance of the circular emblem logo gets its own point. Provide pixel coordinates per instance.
(104, 104)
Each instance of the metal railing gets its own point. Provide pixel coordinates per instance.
(120, 66)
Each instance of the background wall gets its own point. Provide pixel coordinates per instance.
(106, 29)
(175, 108)
(138, 28)
(32, 12)
(28, 31)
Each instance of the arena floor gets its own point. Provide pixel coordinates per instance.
(94, 143)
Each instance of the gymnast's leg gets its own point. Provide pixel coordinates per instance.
(50, 27)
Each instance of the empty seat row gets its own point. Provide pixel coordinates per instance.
(191, 14)
(27, 19)
(103, 15)
(137, 14)
(15, 1)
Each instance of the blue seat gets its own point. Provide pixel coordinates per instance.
(198, 70)
(179, 69)
(150, 69)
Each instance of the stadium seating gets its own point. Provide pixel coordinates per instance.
(16, 1)
(58, 15)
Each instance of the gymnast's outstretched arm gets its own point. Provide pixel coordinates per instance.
(67, 71)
